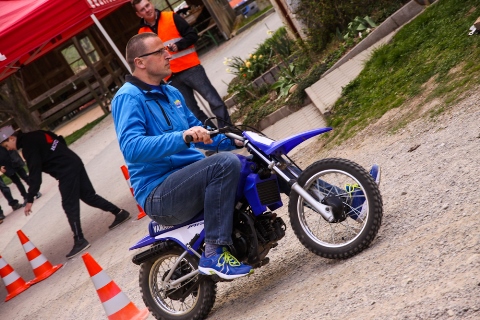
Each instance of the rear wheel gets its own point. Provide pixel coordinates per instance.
(355, 201)
(193, 298)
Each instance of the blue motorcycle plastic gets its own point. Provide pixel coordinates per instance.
(335, 210)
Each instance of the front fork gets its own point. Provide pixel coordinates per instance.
(324, 210)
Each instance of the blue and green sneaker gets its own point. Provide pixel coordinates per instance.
(224, 265)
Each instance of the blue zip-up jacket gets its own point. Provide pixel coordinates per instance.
(149, 123)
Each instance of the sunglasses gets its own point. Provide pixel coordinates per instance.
(158, 52)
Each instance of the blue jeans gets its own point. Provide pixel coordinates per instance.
(196, 79)
(209, 185)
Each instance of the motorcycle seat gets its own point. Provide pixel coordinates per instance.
(154, 228)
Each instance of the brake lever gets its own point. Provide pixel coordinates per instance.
(213, 133)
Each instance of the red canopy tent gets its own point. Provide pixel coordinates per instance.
(31, 28)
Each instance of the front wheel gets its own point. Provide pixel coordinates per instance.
(356, 204)
(193, 298)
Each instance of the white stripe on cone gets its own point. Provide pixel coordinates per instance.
(28, 246)
(11, 278)
(100, 280)
(38, 261)
(116, 303)
(3, 263)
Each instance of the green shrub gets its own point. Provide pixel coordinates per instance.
(359, 27)
(250, 68)
(288, 78)
(325, 17)
(279, 46)
(308, 59)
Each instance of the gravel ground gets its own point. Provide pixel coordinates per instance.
(425, 261)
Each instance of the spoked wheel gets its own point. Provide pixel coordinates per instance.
(355, 201)
(193, 298)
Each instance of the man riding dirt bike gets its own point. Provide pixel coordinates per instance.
(171, 179)
(213, 217)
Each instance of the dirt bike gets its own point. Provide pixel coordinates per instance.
(335, 210)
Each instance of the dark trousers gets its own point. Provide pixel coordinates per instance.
(7, 193)
(196, 79)
(20, 173)
(78, 187)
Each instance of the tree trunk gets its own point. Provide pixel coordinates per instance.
(14, 104)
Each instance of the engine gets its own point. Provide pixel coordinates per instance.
(254, 236)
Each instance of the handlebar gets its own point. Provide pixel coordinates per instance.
(214, 132)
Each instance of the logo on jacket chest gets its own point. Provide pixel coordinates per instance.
(54, 145)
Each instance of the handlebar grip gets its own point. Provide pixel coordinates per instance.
(188, 138)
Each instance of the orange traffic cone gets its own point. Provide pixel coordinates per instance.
(141, 213)
(13, 282)
(40, 265)
(116, 304)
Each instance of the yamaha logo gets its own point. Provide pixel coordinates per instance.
(159, 228)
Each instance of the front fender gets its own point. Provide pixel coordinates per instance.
(283, 146)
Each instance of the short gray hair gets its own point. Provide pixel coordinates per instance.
(136, 47)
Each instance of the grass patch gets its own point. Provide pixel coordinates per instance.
(434, 47)
(7, 180)
(80, 132)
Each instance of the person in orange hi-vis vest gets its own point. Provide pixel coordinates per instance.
(187, 72)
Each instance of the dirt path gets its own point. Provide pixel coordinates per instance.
(425, 262)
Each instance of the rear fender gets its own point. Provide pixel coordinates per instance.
(181, 234)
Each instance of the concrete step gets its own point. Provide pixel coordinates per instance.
(328, 89)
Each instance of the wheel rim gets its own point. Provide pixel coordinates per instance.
(163, 299)
(338, 234)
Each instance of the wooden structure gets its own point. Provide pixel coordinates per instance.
(288, 12)
(203, 15)
(223, 15)
(56, 89)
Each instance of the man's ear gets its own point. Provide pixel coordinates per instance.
(139, 64)
(138, 14)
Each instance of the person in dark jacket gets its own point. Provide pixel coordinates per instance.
(12, 165)
(47, 152)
